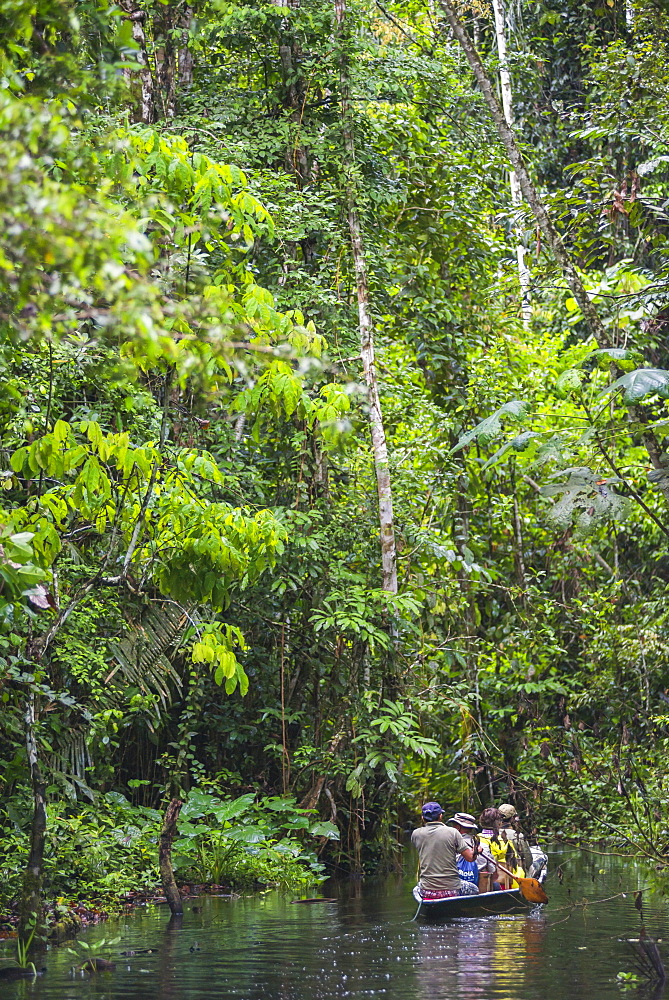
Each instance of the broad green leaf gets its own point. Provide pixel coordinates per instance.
(325, 829)
(569, 381)
(486, 430)
(518, 443)
(640, 383)
(619, 355)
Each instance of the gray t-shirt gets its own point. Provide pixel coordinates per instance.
(438, 847)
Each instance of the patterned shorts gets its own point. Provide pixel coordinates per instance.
(468, 888)
(438, 893)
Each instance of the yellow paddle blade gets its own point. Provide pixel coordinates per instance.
(529, 887)
(531, 890)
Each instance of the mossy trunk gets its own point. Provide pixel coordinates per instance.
(31, 923)
(31, 910)
(167, 835)
(67, 927)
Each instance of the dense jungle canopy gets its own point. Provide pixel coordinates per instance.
(333, 455)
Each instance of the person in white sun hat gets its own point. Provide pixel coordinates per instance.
(482, 872)
(465, 824)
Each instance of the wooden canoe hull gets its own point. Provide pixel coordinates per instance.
(482, 904)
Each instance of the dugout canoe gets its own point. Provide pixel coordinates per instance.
(482, 904)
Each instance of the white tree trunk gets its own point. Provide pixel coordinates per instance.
(240, 424)
(514, 183)
(145, 111)
(379, 446)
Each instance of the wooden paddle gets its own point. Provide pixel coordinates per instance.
(530, 888)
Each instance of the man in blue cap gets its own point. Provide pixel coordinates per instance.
(438, 848)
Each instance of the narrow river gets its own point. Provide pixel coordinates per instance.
(366, 945)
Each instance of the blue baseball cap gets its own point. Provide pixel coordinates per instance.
(431, 811)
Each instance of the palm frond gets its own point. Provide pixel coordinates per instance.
(140, 657)
(70, 760)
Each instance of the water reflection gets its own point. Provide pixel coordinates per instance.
(168, 948)
(476, 958)
(366, 945)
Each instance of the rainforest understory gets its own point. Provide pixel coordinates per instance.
(334, 363)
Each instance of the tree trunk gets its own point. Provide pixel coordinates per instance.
(379, 446)
(167, 835)
(516, 194)
(31, 912)
(461, 539)
(170, 27)
(144, 109)
(240, 424)
(298, 161)
(629, 15)
(165, 62)
(185, 56)
(166, 73)
(321, 481)
(553, 238)
(519, 546)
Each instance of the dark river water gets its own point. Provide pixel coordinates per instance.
(366, 945)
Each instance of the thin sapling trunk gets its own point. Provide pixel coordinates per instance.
(514, 184)
(378, 435)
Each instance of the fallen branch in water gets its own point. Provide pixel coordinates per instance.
(582, 903)
(648, 960)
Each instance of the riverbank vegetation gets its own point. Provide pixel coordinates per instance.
(333, 454)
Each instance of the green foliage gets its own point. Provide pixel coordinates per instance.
(105, 851)
(642, 382)
(99, 851)
(394, 725)
(189, 564)
(260, 846)
(99, 949)
(23, 951)
(21, 577)
(365, 614)
(586, 498)
(215, 645)
(489, 428)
